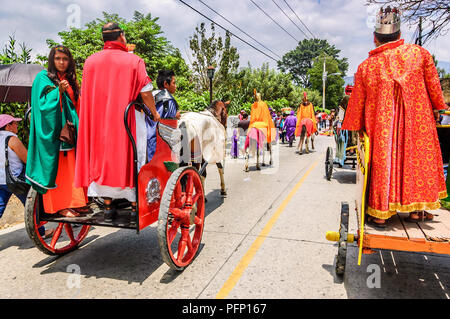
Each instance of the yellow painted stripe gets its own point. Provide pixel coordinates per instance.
(245, 261)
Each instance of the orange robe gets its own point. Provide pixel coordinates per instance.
(305, 112)
(260, 118)
(395, 92)
(65, 195)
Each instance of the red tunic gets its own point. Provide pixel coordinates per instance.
(112, 78)
(395, 92)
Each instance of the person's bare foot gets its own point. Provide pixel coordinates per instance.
(69, 213)
(377, 222)
(419, 215)
(49, 233)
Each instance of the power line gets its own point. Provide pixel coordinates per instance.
(238, 28)
(274, 21)
(228, 30)
(300, 19)
(289, 18)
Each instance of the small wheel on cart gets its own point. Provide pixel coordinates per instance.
(329, 163)
(65, 237)
(181, 218)
(342, 244)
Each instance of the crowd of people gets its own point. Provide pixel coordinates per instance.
(76, 150)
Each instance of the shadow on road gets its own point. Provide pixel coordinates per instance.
(401, 275)
(17, 238)
(215, 200)
(345, 177)
(121, 255)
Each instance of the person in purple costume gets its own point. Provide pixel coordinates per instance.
(234, 145)
(290, 124)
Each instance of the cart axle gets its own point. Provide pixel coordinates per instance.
(335, 236)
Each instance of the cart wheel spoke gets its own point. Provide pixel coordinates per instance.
(195, 198)
(189, 185)
(190, 247)
(69, 231)
(176, 212)
(198, 221)
(172, 232)
(181, 248)
(56, 235)
(41, 224)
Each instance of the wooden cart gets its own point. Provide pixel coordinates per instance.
(430, 237)
(167, 191)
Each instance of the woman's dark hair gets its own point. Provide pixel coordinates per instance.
(71, 74)
(384, 38)
(164, 76)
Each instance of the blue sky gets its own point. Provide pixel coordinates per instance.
(343, 23)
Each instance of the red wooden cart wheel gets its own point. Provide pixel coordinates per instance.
(65, 238)
(181, 218)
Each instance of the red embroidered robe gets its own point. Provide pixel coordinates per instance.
(395, 92)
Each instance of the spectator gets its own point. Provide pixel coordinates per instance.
(17, 157)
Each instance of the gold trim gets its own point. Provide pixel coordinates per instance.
(380, 214)
(397, 207)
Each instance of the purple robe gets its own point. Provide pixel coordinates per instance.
(290, 124)
(234, 145)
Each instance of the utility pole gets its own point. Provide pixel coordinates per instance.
(324, 79)
(420, 31)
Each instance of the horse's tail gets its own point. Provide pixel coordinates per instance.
(303, 132)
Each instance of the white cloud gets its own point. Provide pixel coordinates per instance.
(341, 22)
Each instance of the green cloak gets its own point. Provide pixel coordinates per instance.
(46, 123)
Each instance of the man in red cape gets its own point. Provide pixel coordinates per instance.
(396, 90)
(112, 78)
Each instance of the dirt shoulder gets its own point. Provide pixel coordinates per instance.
(13, 214)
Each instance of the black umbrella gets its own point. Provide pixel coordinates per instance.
(16, 81)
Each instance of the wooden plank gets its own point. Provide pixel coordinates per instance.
(439, 228)
(394, 229)
(413, 229)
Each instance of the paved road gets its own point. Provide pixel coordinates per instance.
(265, 240)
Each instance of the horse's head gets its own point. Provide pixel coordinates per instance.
(220, 111)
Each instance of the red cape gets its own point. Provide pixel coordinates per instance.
(112, 78)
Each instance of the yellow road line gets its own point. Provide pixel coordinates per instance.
(245, 261)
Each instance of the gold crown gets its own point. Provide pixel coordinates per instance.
(388, 21)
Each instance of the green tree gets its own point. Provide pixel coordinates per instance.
(142, 30)
(298, 61)
(276, 88)
(334, 83)
(10, 55)
(209, 50)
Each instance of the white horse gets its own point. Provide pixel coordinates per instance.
(204, 135)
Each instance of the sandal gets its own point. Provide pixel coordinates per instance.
(68, 212)
(370, 221)
(428, 217)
